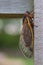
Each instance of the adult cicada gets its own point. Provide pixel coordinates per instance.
(27, 36)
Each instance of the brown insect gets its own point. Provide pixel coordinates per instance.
(28, 29)
(28, 34)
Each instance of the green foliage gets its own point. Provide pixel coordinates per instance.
(8, 41)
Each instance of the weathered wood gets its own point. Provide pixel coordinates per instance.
(15, 6)
(38, 40)
(11, 15)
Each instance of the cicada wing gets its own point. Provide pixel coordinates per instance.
(26, 41)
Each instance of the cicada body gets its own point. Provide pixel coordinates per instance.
(27, 37)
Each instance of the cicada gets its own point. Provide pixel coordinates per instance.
(27, 36)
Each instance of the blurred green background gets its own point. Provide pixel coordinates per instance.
(9, 33)
(10, 30)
